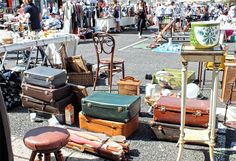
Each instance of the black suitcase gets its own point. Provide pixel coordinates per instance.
(169, 132)
(46, 94)
(45, 77)
(53, 108)
(165, 131)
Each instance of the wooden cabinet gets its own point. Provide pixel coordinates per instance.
(228, 78)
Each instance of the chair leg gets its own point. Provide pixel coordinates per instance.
(96, 78)
(33, 155)
(110, 77)
(123, 70)
(59, 156)
(204, 77)
(40, 156)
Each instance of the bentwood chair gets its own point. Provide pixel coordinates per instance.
(106, 59)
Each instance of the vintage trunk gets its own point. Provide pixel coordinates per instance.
(110, 128)
(45, 77)
(46, 94)
(170, 132)
(165, 131)
(112, 107)
(53, 108)
(129, 86)
(168, 109)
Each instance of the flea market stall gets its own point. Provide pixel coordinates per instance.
(105, 24)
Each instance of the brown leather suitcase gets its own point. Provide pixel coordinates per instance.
(53, 108)
(110, 128)
(168, 109)
(46, 94)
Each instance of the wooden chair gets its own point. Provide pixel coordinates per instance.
(106, 60)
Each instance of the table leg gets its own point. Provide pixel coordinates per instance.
(222, 34)
(183, 109)
(200, 74)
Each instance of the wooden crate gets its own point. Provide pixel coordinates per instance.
(129, 86)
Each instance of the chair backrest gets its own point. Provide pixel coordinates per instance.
(104, 45)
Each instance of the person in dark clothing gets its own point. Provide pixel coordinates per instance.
(205, 16)
(35, 15)
(34, 24)
(141, 12)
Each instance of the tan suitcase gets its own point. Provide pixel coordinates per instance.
(110, 128)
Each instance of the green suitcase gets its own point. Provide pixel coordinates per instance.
(113, 107)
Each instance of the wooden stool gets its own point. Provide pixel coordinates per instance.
(46, 140)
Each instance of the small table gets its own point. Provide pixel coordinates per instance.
(206, 136)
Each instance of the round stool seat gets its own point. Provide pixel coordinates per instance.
(46, 138)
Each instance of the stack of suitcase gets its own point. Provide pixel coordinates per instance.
(112, 114)
(44, 89)
(166, 116)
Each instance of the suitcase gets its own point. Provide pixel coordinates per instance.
(79, 92)
(112, 107)
(165, 131)
(168, 109)
(46, 94)
(45, 77)
(170, 132)
(110, 128)
(54, 108)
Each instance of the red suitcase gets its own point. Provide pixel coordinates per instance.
(46, 94)
(168, 109)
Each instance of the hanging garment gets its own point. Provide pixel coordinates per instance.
(68, 10)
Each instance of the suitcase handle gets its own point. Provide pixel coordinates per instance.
(129, 78)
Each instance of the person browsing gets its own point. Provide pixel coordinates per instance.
(35, 15)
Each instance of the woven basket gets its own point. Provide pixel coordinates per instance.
(7, 40)
(84, 78)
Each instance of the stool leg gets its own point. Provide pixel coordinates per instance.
(47, 157)
(33, 155)
(59, 156)
(40, 156)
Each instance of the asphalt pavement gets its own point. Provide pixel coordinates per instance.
(143, 144)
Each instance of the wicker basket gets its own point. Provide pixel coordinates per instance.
(83, 78)
(7, 40)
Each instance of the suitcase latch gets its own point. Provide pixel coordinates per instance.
(197, 113)
(89, 105)
(120, 109)
(163, 109)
